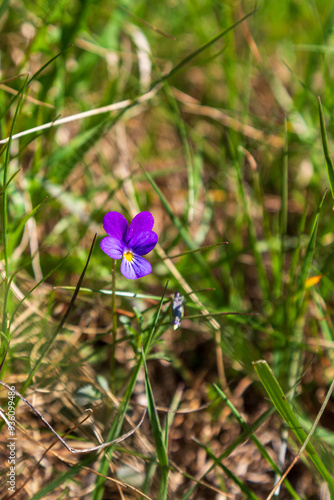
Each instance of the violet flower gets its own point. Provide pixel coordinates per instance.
(130, 243)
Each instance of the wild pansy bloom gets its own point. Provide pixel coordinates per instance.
(130, 243)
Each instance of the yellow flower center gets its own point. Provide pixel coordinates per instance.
(128, 255)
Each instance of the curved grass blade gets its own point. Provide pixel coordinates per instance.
(5, 181)
(3, 7)
(299, 307)
(199, 249)
(263, 277)
(322, 409)
(283, 407)
(304, 273)
(187, 152)
(3, 189)
(35, 75)
(298, 247)
(241, 484)
(160, 443)
(329, 163)
(48, 344)
(233, 446)
(16, 233)
(4, 358)
(142, 21)
(201, 49)
(177, 223)
(34, 288)
(4, 218)
(255, 440)
(63, 478)
(63, 160)
(118, 421)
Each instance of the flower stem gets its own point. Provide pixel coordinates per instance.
(114, 321)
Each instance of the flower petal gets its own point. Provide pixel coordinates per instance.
(116, 225)
(144, 221)
(135, 269)
(142, 243)
(113, 247)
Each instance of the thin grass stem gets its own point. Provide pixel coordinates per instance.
(114, 321)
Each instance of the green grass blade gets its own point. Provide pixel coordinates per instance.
(255, 440)
(252, 234)
(34, 288)
(4, 221)
(3, 189)
(239, 482)
(27, 82)
(329, 163)
(157, 434)
(3, 7)
(118, 421)
(281, 404)
(5, 182)
(233, 446)
(170, 416)
(42, 68)
(201, 49)
(48, 344)
(154, 418)
(63, 478)
(248, 493)
(305, 270)
(63, 160)
(106, 124)
(178, 224)
(284, 208)
(326, 325)
(199, 249)
(16, 233)
(187, 152)
(298, 247)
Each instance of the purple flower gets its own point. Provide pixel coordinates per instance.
(130, 243)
